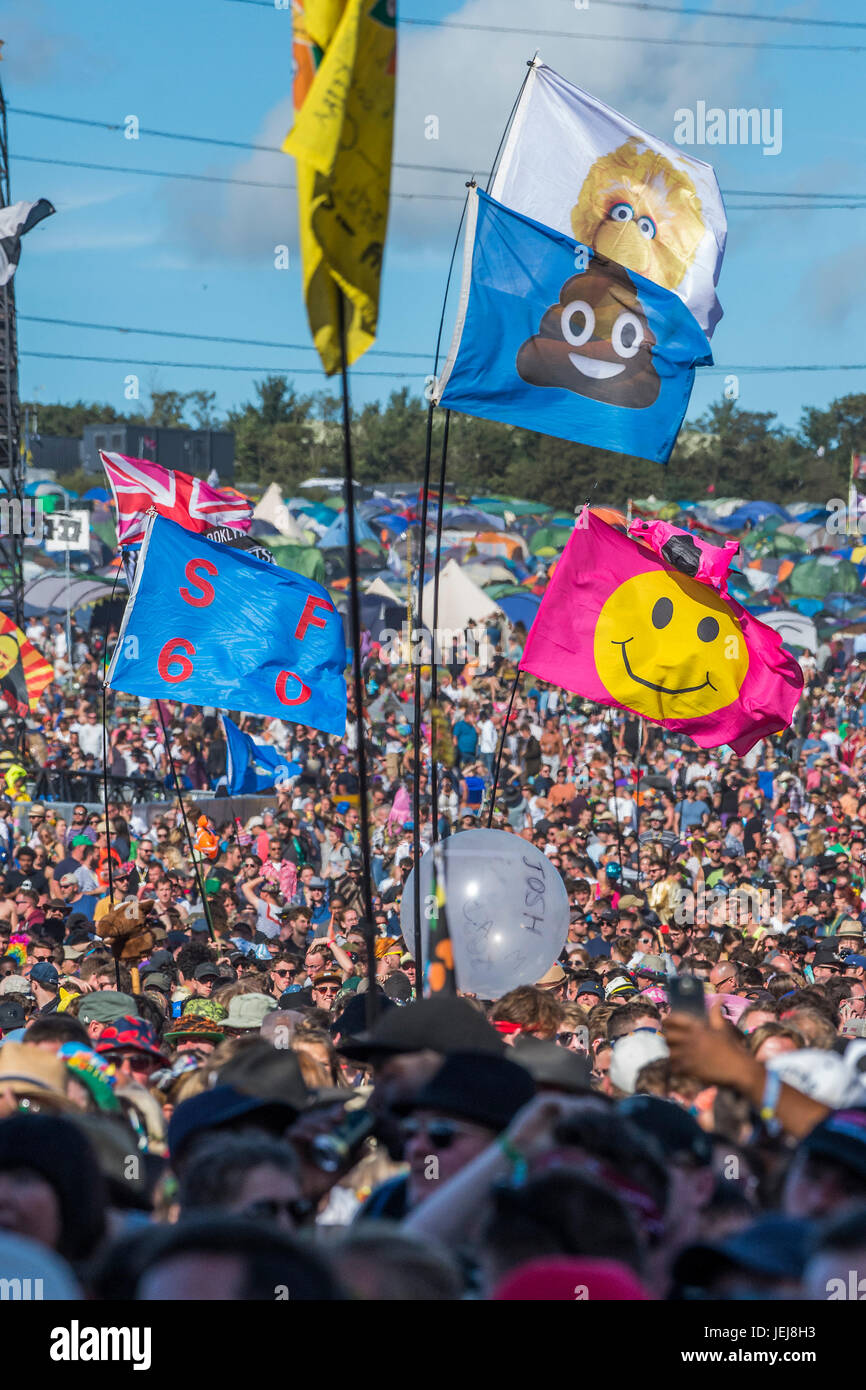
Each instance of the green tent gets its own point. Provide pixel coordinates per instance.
(303, 559)
(819, 575)
(549, 540)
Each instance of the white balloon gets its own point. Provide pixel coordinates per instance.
(506, 908)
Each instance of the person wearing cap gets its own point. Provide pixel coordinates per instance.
(102, 1008)
(204, 979)
(325, 988)
(456, 1116)
(45, 983)
(131, 1044)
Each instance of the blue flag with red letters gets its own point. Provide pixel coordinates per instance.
(212, 625)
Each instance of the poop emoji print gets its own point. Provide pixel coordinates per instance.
(595, 341)
(554, 336)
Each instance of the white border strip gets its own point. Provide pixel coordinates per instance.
(130, 603)
(463, 304)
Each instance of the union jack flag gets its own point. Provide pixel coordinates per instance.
(138, 484)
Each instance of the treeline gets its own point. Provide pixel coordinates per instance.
(286, 437)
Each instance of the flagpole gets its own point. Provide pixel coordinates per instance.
(195, 863)
(357, 675)
(501, 747)
(434, 666)
(613, 772)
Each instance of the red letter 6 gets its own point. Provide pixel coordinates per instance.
(171, 656)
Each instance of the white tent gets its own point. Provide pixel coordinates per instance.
(381, 589)
(795, 629)
(461, 602)
(272, 508)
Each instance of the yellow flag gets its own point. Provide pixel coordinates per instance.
(345, 67)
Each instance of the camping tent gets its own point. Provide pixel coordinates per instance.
(461, 602)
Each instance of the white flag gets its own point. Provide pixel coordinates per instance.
(578, 166)
(15, 220)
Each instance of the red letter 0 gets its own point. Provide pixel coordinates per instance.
(281, 689)
(207, 590)
(171, 656)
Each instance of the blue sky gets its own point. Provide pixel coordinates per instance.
(159, 253)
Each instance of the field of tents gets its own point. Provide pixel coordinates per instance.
(796, 568)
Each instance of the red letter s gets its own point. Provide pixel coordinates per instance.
(208, 592)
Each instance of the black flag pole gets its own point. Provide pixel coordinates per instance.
(189, 839)
(357, 674)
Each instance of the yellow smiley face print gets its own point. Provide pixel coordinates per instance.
(8, 654)
(669, 648)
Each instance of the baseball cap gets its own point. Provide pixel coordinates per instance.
(44, 973)
(774, 1246)
(674, 1129)
(15, 984)
(590, 987)
(854, 959)
(208, 970)
(222, 1106)
(106, 1006)
(12, 1015)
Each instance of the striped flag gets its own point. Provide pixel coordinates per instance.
(138, 484)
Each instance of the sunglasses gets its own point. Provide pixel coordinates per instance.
(281, 974)
(441, 1133)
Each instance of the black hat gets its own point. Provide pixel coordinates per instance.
(206, 971)
(353, 1018)
(553, 1068)
(774, 1247)
(443, 1025)
(12, 1015)
(678, 1134)
(220, 1108)
(827, 954)
(398, 987)
(476, 1086)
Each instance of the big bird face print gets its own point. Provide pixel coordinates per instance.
(636, 207)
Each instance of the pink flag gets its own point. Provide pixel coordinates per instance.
(688, 553)
(138, 485)
(620, 627)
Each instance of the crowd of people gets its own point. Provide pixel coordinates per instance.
(219, 1078)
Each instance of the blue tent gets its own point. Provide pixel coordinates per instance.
(337, 533)
(97, 494)
(520, 608)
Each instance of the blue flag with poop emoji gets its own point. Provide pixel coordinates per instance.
(554, 337)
